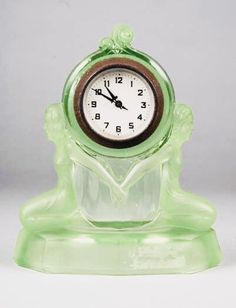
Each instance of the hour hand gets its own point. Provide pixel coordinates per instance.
(112, 95)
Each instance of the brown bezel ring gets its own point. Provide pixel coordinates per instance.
(118, 63)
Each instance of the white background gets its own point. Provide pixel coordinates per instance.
(41, 41)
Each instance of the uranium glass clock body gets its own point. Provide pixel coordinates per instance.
(118, 104)
(118, 207)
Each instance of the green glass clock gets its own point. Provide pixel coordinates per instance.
(118, 207)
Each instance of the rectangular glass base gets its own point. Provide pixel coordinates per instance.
(119, 253)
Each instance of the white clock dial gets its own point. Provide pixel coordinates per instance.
(118, 104)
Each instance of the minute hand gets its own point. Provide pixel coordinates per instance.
(100, 93)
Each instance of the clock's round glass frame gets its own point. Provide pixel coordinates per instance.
(155, 106)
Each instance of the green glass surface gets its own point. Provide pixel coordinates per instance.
(118, 211)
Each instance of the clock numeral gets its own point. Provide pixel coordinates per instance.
(131, 83)
(107, 83)
(144, 105)
(118, 129)
(97, 116)
(119, 79)
(140, 117)
(106, 124)
(131, 125)
(94, 104)
(140, 92)
(98, 91)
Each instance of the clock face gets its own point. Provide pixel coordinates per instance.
(118, 107)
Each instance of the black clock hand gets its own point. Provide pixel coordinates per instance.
(118, 103)
(100, 93)
(112, 95)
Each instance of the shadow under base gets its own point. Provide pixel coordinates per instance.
(115, 253)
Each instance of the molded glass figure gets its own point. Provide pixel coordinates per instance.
(118, 209)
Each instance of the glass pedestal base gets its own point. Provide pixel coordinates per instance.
(119, 253)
